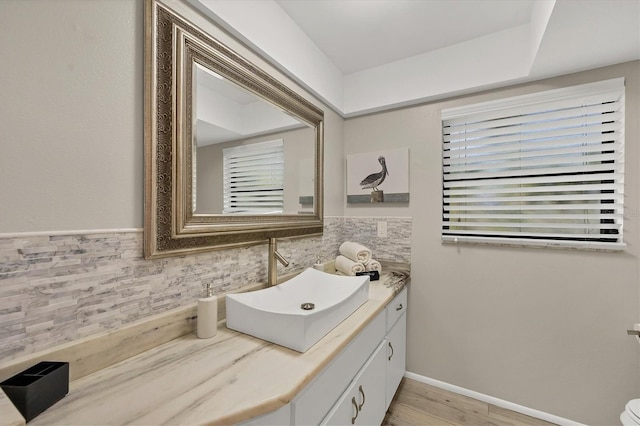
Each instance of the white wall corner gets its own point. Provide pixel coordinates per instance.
(540, 14)
(270, 32)
(587, 35)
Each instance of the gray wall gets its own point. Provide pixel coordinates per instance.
(543, 328)
(72, 116)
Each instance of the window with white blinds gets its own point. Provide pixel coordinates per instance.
(254, 178)
(542, 169)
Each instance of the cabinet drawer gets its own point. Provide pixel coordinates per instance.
(315, 401)
(396, 308)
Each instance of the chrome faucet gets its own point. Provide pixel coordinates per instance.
(274, 257)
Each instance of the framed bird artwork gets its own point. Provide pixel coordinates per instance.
(378, 177)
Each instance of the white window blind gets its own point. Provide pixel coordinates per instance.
(540, 169)
(254, 178)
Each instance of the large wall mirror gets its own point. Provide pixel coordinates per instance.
(232, 155)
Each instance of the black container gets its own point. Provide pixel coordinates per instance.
(37, 388)
(373, 275)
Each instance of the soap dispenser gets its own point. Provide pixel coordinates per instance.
(318, 265)
(207, 325)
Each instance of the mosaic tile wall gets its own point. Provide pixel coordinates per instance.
(396, 246)
(59, 288)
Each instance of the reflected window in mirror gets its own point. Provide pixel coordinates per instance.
(254, 178)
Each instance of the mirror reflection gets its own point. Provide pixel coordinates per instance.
(249, 156)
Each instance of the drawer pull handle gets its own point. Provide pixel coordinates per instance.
(355, 405)
(361, 393)
(391, 347)
(399, 308)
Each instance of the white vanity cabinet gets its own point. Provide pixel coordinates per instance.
(357, 386)
(366, 400)
(318, 398)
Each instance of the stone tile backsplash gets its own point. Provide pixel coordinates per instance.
(396, 246)
(59, 288)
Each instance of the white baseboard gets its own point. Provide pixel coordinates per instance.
(492, 400)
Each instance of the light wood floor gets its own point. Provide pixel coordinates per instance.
(419, 404)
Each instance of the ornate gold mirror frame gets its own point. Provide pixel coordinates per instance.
(172, 45)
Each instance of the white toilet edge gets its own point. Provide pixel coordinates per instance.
(626, 420)
(632, 410)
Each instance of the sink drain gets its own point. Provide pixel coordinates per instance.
(307, 306)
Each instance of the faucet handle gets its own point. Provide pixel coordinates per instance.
(281, 259)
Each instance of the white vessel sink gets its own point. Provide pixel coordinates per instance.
(277, 314)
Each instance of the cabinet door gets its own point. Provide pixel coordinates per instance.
(363, 402)
(371, 391)
(396, 345)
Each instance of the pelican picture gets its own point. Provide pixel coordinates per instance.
(369, 180)
(375, 179)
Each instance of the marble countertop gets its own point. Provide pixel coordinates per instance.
(10, 414)
(223, 380)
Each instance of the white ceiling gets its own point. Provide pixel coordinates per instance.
(226, 112)
(361, 56)
(360, 34)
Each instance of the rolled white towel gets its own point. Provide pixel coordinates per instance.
(373, 265)
(348, 266)
(355, 252)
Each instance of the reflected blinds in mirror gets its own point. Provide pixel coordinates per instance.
(254, 178)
